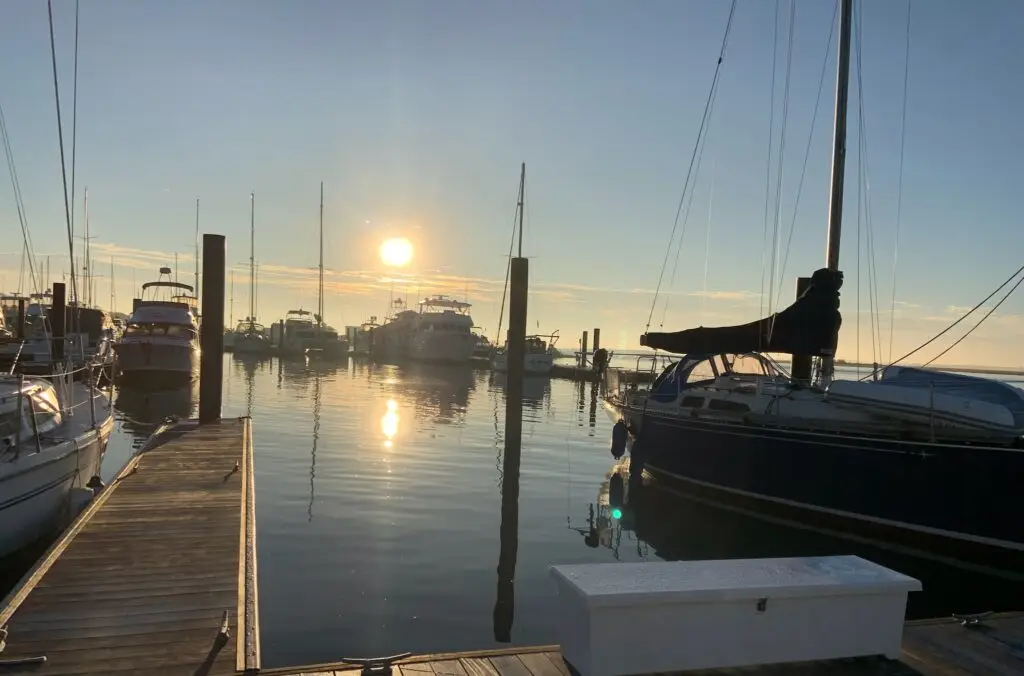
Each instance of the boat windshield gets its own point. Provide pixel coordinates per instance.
(169, 330)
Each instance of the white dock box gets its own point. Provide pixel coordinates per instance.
(616, 619)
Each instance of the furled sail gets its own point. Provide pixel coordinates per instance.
(810, 326)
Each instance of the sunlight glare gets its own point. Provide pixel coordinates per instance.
(389, 422)
(396, 252)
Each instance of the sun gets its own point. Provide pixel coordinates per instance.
(396, 252)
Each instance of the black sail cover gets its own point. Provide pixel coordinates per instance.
(810, 326)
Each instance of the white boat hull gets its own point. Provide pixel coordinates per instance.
(249, 344)
(534, 364)
(34, 489)
(442, 346)
(149, 358)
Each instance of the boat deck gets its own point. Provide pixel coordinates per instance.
(153, 570)
(995, 647)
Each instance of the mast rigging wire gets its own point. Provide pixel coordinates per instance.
(954, 324)
(693, 158)
(899, 185)
(63, 165)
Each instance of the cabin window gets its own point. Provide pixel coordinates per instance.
(726, 405)
(46, 410)
(136, 330)
(692, 402)
(701, 373)
(178, 331)
(745, 364)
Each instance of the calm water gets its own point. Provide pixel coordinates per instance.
(379, 509)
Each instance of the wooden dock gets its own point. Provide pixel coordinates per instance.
(994, 647)
(157, 575)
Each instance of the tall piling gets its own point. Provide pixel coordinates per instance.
(58, 322)
(583, 351)
(597, 339)
(211, 334)
(504, 607)
(19, 331)
(802, 362)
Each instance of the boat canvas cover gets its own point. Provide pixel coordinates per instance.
(959, 385)
(810, 326)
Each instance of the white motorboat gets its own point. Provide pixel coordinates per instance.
(161, 340)
(538, 360)
(53, 439)
(443, 331)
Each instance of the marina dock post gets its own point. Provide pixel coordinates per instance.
(802, 362)
(211, 335)
(582, 362)
(19, 330)
(519, 286)
(58, 321)
(597, 339)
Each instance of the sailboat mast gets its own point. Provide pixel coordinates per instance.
(835, 212)
(231, 301)
(196, 292)
(85, 271)
(320, 297)
(252, 256)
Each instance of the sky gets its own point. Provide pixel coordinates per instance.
(416, 117)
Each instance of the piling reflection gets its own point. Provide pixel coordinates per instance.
(663, 522)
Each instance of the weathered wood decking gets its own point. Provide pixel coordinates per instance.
(144, 579)
(930, 648)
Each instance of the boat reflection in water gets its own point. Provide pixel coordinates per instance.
(141, 409)
(438, 393)
(661, 523)
(536, 391)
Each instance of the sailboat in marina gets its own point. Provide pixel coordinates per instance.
(931, 460)
(250, 337)
(306, 333)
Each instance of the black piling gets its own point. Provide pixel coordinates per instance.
(58, 321)
(597, 339)
(802, 362)
(211, 336)
(583, 351)
(504, 607)
(19, 331)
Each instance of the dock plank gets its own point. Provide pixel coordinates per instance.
(142, 580)
(930, 648)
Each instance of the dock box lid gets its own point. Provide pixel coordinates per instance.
(622, 584)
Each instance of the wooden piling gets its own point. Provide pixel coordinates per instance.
(58, 321)
(19, 331)
(597, 339)
(583, 351)
(519, 286)
(211, 373)
(802, 362)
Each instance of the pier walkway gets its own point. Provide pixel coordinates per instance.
(942, 647)
(157, 575)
